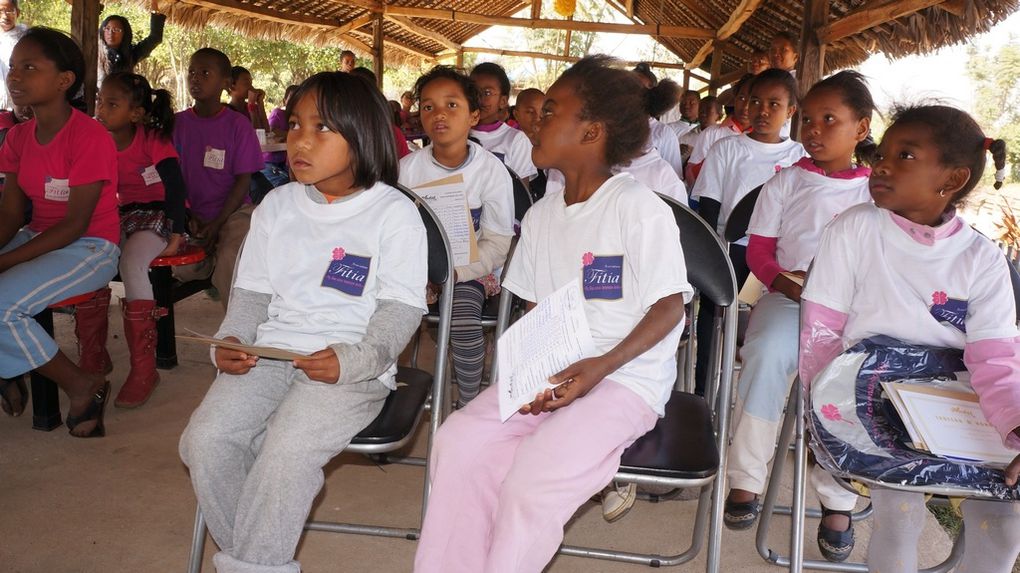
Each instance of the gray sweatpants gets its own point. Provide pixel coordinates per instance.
(256, 447)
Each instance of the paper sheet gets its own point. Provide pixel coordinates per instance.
(948, 423)
(448, 198)
(752, 290)
(261, 351)
(550, 337)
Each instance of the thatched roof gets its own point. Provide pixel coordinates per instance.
(427, 29)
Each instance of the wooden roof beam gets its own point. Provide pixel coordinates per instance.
(356, 23)
(740, 14)
(546, 24)
(410, 26)
(536, 9)
(870, 15)
(263, 13)
(554, 57)
(391, 43)
(955, 7)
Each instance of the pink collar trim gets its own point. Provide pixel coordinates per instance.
(808, 164)
(488, 127)
(926, 235)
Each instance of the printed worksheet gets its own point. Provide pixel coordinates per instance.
(448, 199)
(547, 339)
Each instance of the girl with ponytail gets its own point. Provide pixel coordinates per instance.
(151, 195)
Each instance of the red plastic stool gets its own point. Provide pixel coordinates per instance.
(166, 292)
(45, 397)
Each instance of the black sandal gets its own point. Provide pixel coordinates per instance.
(94, 411)
(835, 546)
(740, 515)
(5, 401)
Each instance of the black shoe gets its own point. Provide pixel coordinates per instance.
(740, 515)
(835, 546)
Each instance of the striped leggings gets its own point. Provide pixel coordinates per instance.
(83, 266)
(467, 341)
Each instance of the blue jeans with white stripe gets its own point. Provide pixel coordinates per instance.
(83, 266)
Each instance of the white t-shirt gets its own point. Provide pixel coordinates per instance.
(736, 165)
(326, 265)
(665, 142)
(653, 172)
(490, 192)
(7, 41)
(796, 205)
(511, 146)
(947, 294)
(707, 138)
(624, 246)
(681, 127)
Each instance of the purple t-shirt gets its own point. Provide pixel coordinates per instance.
(214, 151)
(277, 122)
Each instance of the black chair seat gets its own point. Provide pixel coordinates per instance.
(681, 446)
(490, 310)
(399, 413)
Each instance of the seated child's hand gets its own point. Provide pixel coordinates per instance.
(323, 366)
(575, 381)
(789, 288)
(234, 361)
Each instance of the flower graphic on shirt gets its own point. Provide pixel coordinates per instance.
(939, 298)
(338, 254)
(831, 412)
(778, 168)
(587, 259)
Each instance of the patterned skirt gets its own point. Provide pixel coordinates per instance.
(135, 217)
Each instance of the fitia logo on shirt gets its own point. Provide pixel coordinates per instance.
(347, 273)
(951, 311)
(476, 218)
(603, 276)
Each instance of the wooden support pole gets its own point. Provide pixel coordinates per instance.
(687, 80)
(460, 59)
(811, 65)
(717, 57)
(377, 50)
(536, 9)
(566, 42)
(85, 29)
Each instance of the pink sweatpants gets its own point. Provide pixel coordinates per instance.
(502, 492)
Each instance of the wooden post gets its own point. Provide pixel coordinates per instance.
(717, 56)
(460, 59)
(566, 42)
(85, 30)
(811, 65)
(377, 50)
(687, 80)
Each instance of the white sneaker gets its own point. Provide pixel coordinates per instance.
(617, 499)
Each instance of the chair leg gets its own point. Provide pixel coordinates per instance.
(197, 543)
(45, 397)
(799, 486)
(162, 289)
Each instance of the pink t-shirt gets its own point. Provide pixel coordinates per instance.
(136, 168)
(214, 151)
(81, 153)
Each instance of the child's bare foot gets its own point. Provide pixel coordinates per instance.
(85, 416)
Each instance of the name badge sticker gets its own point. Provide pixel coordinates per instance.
(347, 272)
(214, 158)
(150, 176)
(57, 189)
(602, 276)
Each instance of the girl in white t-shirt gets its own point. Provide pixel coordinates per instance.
(510, 145)
(502, 492)
(658, 99)
(908, 267)
(334, 267)
(792, 211)
(734, 167)
(736, 123)
(448, 101)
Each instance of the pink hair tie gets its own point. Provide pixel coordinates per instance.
(988, 143)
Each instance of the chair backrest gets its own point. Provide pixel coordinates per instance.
(522, 197)
(708, 265)
(439, 255)
(740, 217)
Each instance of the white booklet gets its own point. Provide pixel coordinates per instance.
(947, 423)
(550, 337)
(448, 199)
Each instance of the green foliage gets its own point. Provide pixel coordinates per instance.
(996, 80)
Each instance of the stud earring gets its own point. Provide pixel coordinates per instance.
(942, 192)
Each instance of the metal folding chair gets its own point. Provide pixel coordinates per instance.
(793, 433)
(395, 426)
(687, 447)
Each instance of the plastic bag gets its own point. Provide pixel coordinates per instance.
(856, 433)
